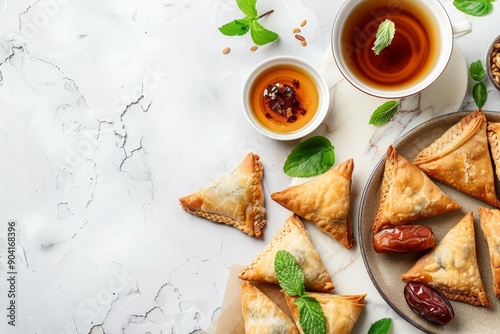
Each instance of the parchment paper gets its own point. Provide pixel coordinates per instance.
(231, 317)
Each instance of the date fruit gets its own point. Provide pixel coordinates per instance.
(428, 303)
(404, 239)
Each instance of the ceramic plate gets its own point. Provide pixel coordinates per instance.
(385, 270)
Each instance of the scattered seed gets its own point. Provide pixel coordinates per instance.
(296, 30)
(226, 50)
(304, 43)
(253, 48)
(303, 23)
(299, 37)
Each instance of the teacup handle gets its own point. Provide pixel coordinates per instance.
(461, 28)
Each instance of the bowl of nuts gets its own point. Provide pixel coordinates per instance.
(493, 62)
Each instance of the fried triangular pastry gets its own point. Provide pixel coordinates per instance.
(451, 266)
(490, 224)
(234, 199)
(408, 194)
(461, 159)
(341, 311)
(324, 201)
(493, 133)
(293, 238)
(261, 314)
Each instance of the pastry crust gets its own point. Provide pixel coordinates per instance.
(408, 194)
(452, 267)
(234, 199)
(293, 238)
(461, 159)
(493, 133)
(324, 201)
(341, 311)
(261, 314)
(490, 224)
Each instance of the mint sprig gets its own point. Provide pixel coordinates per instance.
(384, 113)
(474, 7)
(312, 157)
(479, 91)
(291, 279)
(240, 27)
(384, 36)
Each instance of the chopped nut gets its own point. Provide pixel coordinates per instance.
(299, 37)
(282, 99)
(303, 23)
(253, 48)
(296, 30)
(226, 50)
(497, 45)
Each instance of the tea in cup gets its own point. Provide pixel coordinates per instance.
(417, 55)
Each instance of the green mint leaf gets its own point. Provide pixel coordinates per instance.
(384, 113)
(474, 7)
(236, 28)
(312, 157)
(261, 35)
(480, 94)
(311, 316)
(380, 326)
(289, 273)
(248, 7)
(476, 71)
(384, 36)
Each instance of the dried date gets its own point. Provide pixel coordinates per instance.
(428, 303)
(404, 239)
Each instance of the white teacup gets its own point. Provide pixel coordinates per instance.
(419, 53)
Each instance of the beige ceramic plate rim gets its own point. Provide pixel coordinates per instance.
(385, 270)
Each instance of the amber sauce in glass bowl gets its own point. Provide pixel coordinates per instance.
(306, 93)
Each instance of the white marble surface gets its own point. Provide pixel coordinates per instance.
(112, 110)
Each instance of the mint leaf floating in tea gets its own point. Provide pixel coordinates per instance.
(312, 157)
(479, 91)
(240, 27)
(291, 280)
(384, 113)
(384, 36)
(474, 7)
(380, 326)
